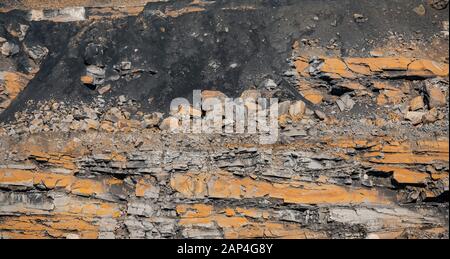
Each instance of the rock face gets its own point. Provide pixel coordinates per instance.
(90, 149)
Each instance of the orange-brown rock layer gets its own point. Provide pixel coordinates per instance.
(367, 182)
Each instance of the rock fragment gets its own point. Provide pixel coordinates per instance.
(416, 103)
(345, 103)
(67, 14)
(208, 94)
(251, 94)
(87, 80)
(9, 49)
(436, 97)
(97, 73)
(431, 116)
(359, 18)
(92, 124)
(283, 107)
(103, 90)
(321, 115)
(122, 99)
(420, 10)
(269, 84)
(152, 120)
(438, 4)
(415, 117)
(297, 110)
(37, 53)
(169, 124)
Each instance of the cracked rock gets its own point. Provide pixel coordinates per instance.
(37, 53)
(345, 103)
(415, 117)
(9, 49)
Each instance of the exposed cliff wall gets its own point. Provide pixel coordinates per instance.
(362, 150)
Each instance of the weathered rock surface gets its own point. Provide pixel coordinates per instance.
(87, 148)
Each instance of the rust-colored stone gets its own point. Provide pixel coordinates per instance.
(224, 186)
(416, 103)
(87, 80)
(336, 69)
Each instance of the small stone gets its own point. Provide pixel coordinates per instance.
(359, 18)
(95, 70)
(89, 113)
(296, 133)
(445, 29)
(297, 110)
(69, 118)
(415, 117)
(420, 10)
(122, 99)
(184, 111)
(380, 122)
(37, 122)
(251, 94)
(107, 126)
(207, 94)
(9, 49)
(75, 125)
(97, 73)
(114, 115)
(314, 96)
(55, 106)
(416, 103)
(125, 65)
(5, 104)
(284, 120)
(2, 40)
(438, 4)
(431, 116)
(169, 124)
(345, 102)
(103, 90)
(435, 96)
(92, 124)
(23, 29)
(72, 236)
(270, 84)
(445, 25)
(376, 54)
(320, 115)
(37, 53)
(283, 108)
(152, 120)
(340, 104)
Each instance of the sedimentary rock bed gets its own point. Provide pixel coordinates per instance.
(362, 144)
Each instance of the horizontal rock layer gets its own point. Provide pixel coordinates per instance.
(310, 188)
